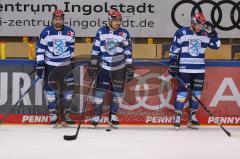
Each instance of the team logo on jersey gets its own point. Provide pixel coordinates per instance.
(70, 33)
(194, 47)
(111, 45)
(59, 46)
(122, 34)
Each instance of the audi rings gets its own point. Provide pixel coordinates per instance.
(216, 8)
(164, 98)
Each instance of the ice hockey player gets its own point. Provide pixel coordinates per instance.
(187, 54)
(55, 52)
(111, 65)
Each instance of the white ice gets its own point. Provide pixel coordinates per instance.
(44, 142)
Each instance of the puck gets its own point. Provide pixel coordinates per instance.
(108, 129)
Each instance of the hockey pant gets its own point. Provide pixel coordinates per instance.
(58, 82)
(113, 81)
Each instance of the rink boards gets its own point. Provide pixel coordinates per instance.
(148, 98)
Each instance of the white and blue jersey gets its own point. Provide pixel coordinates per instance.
(188, 49)
(112, 48)
(56, 47)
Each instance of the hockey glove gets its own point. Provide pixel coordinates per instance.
(173, 68)
(210, 29)
(73, 63)
(39, 70)
(129, 72)
(124, 44)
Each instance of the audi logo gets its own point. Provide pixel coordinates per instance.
(147, 85)
(142, 100)
(216, 12)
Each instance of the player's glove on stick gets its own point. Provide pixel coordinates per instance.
(129, 72)
(173, 68)
(210, 29)
(39, 70)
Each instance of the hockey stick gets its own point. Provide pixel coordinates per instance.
(201, 103)
(33, 84)
(9, 91)
(74, 137)
(20, 99)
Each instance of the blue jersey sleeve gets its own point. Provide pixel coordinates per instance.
(96, 48)
(41, 46)
(72, 44)
(128, 50)
(175, 48)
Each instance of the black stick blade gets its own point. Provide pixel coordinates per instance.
(69, 138)
(227, 132)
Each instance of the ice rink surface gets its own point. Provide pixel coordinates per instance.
(163, 142)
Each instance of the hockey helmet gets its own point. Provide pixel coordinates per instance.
(114, 13)
(58, 13)
(198, 18)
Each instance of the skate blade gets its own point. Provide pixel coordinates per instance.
(176, 127)
(66, 125)
(92, 127)
(191, 126)
(56, 126)
(111, 125)
(97, 127)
